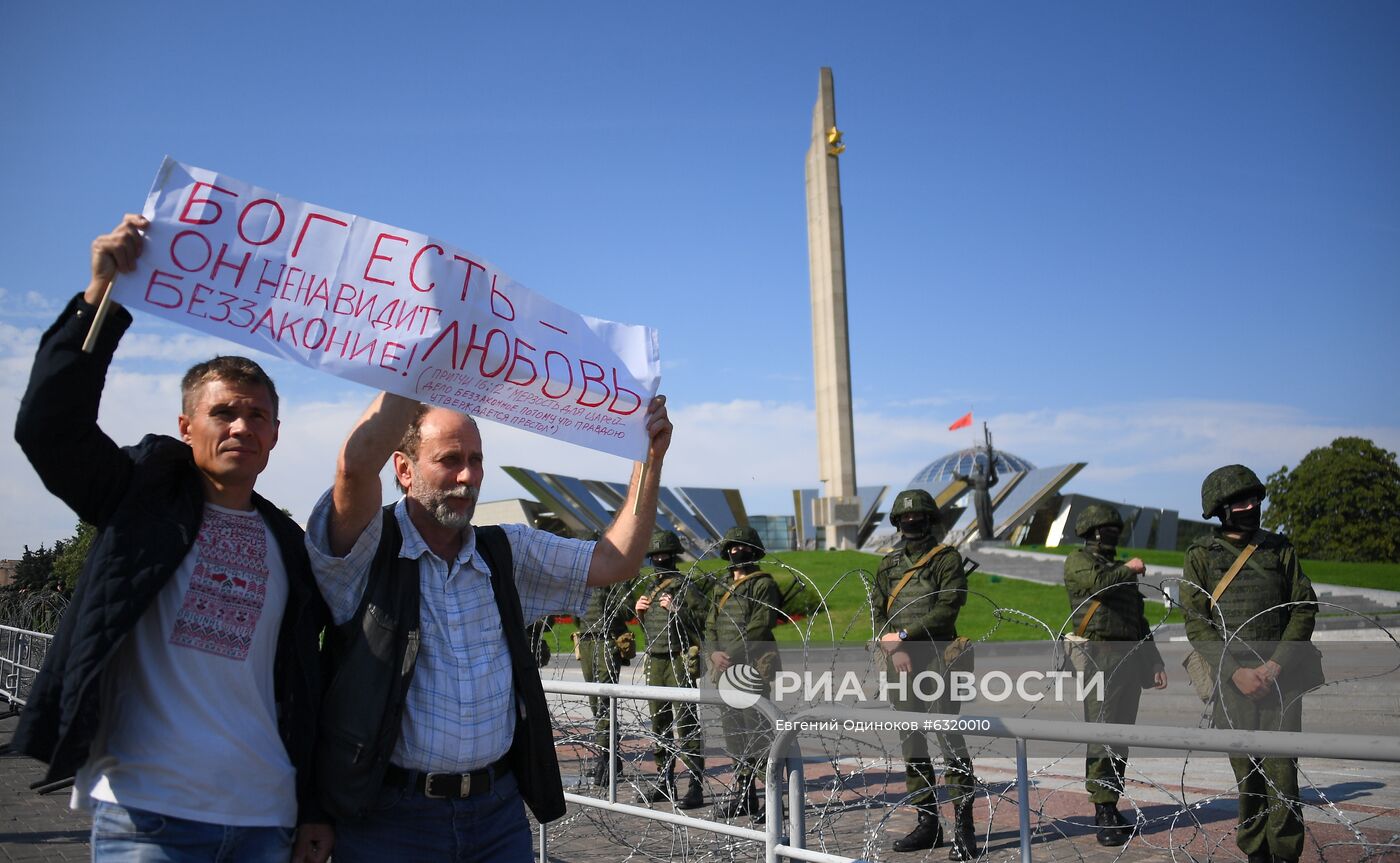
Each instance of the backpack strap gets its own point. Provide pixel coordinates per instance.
(735, 586)
(889, 603)
(1084, 624)
(1233, 571)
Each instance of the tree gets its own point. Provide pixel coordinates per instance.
(35, 568)
(68, 564)
(1342, 502)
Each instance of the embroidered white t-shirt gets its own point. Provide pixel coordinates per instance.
(189, 717)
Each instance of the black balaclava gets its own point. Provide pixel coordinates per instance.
(1246, 521)
(1107, 536)
(663, 562)
(917, 532)
(915, 525)
(742, 556)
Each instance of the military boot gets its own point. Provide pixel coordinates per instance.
(744, 800)
(694, 793)
(664, 788)
(928, 833)
(964, 836)
(1112, 829)
(1261, 857)
(600, 770)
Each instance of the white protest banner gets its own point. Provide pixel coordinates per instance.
(388, 308)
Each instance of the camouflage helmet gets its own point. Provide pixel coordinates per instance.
(665, 542)
(914, 500)
(1225, 484)
(1095, 516)
(741, 536)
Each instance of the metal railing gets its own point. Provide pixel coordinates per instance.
(22, 651)
(770, 836)
(1360, 747)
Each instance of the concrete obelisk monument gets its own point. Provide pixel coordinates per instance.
(838, 509)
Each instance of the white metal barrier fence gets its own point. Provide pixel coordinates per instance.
(22, 651)
(770, 836)
(1359, 747)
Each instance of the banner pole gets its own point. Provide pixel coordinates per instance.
(641, 483)
(90, 343)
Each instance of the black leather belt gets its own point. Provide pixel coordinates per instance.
(662, 654)
(439, 785)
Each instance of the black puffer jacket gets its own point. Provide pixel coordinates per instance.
(147, 503)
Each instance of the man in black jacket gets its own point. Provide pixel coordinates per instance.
(183, 683)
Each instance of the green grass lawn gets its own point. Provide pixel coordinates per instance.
(1385, 576)
(997, 609)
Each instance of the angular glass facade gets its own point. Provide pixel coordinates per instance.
(776, 531)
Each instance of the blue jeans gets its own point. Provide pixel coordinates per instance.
(406, 827)
(122, 835)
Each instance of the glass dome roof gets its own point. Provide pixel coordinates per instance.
(940, 471)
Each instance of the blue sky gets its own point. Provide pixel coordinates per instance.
(1154, 237)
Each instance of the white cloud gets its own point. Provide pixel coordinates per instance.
(1152, 453)
(37, 303)
(183, 347)
(19, 342)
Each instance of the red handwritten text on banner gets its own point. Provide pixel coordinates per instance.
(389, 308)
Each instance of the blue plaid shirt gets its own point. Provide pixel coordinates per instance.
(458, 715)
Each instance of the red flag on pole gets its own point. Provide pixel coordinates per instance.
(962, 422)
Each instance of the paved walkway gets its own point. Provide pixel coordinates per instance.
(32, 827)
(856, 816)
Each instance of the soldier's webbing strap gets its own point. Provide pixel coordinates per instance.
(1233, 571)
(1084, 624)
(660, 587)
(733, 587)
(889, 603)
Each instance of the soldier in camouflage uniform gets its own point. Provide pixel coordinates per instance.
(1255, 635)
(1106, 608)
(740, 632)
(915, 620)
(600, 627)
(672, 612)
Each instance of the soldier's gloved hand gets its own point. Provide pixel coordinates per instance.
(1136, 565)
(666, 601)
(643, 603)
